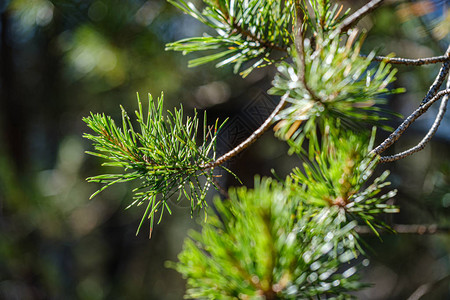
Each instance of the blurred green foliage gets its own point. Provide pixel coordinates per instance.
(267, 245)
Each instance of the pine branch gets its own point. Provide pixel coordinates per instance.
(265, 243)
(336, 173)
(294, 238)
(428, 287)
(394, 136)
(353, 19)
(443, 72)
(429, 99)
(322, 18)
(242, 34)
(428, 136)
(342, 87)
(412, 62)
(162, 156)
(250, 140)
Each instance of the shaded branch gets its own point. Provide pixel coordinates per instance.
(439, 79)
(394, 136)
(419, 229)
(431, 97)
(250, 140)
(412, 61)
(427, 287)
(428, 136)
(351, 20)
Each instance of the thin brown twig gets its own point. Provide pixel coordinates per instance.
(428, 136)
(412, 61)
(425, 104)
(394, 136)
(250, 140)
(427, 287)
(439, 79)
(220, 188)
(419, 229)
(351, 20)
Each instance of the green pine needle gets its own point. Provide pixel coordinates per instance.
(162, 156)
(247, 32)
(346, 90)
(338, 173)
(267, 245)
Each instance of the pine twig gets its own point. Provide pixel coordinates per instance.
(431, 94)
(430, 98)
(394, 136)
(412, 61)
(221, 190)
(428, 136)
(427, 287)
(250, 140)
(351, 21)
(439, 79)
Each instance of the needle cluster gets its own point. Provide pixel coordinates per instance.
(251, 31)
(268, 245)
(342, 87)
(162, 156)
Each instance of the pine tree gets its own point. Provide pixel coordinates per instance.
(291, 238)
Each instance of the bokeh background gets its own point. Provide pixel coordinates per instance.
(62, 59)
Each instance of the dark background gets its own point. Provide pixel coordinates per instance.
(62, 59)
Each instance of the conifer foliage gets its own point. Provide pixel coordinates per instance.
(163, 155)
(283, 250)
(284, 239)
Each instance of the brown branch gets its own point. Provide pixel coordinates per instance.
(351, 20)
(412, 61)
(430, 98)
(428, 136)
(439, 79)
(220, 188)
(427, 287)
(394, 136)
(419, 229)
(250, 140)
